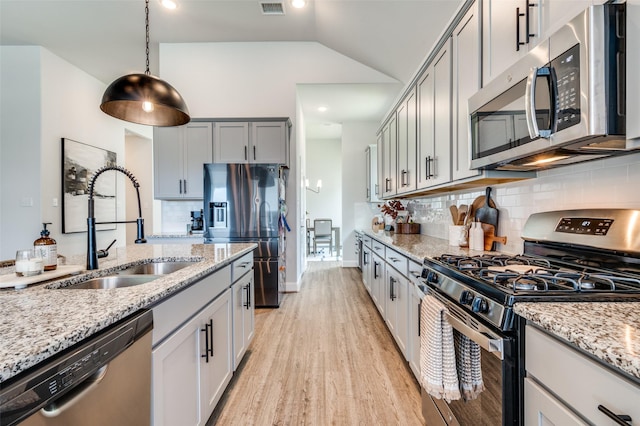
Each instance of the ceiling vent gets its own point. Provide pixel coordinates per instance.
(272, 7)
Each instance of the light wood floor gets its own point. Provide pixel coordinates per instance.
(324, 357)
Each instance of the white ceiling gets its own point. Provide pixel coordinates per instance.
(106, 39)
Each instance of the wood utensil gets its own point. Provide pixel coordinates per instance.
(490, 236)
(454, 214)
(462, 213)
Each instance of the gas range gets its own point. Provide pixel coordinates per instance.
(572, 255)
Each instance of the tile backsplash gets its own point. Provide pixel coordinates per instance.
(177, 214)
(608, 183)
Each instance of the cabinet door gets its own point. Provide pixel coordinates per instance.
(243, 317)
(407, 139)
(381, 144)
(396, 315)
(466, 39)
(268, 143)
(231, 142)
(176, 367)
(390, 158)
(366, 268)
(168, 161)
(434, 121)
(504, 35)
(378, 284)
(217, 370)
(414, 331)
(542, 409)
(555, 13)
(198, 150)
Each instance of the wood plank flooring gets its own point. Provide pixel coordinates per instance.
(325, 357)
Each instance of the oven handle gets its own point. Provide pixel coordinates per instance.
(494, 346)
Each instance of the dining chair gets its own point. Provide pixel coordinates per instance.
(322, 233)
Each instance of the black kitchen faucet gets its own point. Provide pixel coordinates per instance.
(92, 253)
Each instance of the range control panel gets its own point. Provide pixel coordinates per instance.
(583, 225)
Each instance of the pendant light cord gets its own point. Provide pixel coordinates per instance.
(146, 12)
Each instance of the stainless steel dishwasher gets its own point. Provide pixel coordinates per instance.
(103, 380)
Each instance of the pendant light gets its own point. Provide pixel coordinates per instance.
(144, 98)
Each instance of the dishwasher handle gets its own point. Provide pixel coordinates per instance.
(67, 401)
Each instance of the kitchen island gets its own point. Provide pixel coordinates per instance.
(44, 319)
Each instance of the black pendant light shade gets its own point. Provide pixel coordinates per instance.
(145, 99)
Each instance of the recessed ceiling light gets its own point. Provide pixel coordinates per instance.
(169, 4)
(322, 108)
(298, 3)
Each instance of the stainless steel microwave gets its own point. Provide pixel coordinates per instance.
(562, 103)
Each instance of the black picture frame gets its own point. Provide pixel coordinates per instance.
(79, 163)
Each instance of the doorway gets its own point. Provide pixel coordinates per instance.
(138, 155)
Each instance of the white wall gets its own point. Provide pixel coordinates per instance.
(19, 146)
(324, 162)
(356, 211)
(259, 80)
(609, 183)
(49, 99)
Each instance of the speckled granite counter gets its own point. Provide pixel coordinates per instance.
(417, 246)
(42, 320)
(608, 331)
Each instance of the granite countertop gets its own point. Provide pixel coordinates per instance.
(42, 319)
(418, 246)
(609, 331)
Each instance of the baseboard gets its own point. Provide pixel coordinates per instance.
(292, 287)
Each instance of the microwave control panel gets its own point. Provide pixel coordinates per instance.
(567, 71)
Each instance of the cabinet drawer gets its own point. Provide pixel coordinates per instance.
(378, 247)
(175, 311)
(579, 381)
(241, 266)
(366, 240)
(397, 260)
(415, 271)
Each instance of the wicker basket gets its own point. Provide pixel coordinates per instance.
(407, 228)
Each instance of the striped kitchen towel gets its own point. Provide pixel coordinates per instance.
(437, 352)
(468, 365)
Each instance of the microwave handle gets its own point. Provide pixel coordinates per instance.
(530, 102)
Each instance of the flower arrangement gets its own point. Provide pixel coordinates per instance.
(391, 208)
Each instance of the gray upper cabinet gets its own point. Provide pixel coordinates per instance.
(251, 142)
(178, 155)
(406, 143)
(388, 153)
(434, 121)
(505, 22)
(466, 50)
(371, 164)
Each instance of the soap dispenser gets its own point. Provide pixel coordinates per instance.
(47, 249)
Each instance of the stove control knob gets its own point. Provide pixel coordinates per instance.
(432, 277)
(466, 297)
(479, 305)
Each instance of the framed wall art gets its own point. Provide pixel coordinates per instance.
(79, 162)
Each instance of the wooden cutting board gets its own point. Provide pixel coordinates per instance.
(489, 215)
(11, 280)
(490, 236)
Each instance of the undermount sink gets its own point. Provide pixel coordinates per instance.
(132, 276)
(117, 281)
(154, 268)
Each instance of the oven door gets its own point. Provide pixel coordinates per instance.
(498, 404)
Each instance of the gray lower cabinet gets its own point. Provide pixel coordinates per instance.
(243, 307)
(192, 351)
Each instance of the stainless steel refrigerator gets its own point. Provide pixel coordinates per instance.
(241, 204)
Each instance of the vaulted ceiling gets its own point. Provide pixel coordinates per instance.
(106, 39)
